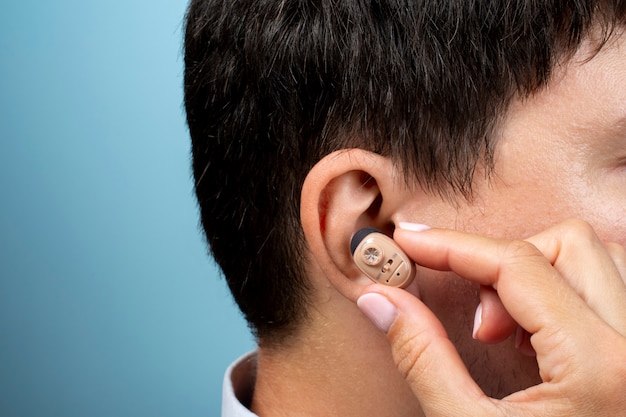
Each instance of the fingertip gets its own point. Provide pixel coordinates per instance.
(381, 312)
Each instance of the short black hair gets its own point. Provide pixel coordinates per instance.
(272, 86)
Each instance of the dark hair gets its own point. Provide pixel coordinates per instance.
(271, 86)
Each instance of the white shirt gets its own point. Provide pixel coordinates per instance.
(238, 387)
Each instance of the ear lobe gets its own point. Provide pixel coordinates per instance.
(344, 192)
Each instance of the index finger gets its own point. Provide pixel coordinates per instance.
(525, 280)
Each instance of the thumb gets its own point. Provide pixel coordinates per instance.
(423, 353)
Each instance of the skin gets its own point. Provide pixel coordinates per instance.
(560, 154)
(575, 335)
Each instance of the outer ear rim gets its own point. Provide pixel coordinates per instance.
(329, 251)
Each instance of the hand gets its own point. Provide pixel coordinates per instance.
(563, 286)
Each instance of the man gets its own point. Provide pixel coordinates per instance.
(490, 122)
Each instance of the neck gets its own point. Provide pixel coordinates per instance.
(337, 367)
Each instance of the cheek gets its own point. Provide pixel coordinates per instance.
(527, 207)
(516, 214)
(452, 299)
(531, 191)
(604, 207)
(520, 199)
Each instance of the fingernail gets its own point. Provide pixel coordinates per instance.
(378, 309)
(478, 319)
(413, 227)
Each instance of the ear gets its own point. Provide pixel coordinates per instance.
(344, 192)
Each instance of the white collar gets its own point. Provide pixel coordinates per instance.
(238, 387)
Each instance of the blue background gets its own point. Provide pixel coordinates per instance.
(109, 305)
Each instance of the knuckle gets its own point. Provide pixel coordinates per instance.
(578, 229)
(519, 257)
(520, 249)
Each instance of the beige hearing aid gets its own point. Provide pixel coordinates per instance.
(380, 258)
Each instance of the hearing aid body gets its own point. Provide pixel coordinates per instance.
(380, 258)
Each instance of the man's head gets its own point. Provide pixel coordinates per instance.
(425, 90)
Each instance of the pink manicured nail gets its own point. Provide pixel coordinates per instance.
(378, 309)
(478, 320)
(413, 227)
